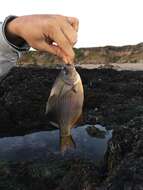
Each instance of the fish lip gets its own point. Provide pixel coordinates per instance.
(69, 75)
(69, 69)
(72, 83)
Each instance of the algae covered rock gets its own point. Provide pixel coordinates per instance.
(124, 159)
(60, 174)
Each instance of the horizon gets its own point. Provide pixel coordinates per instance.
(108, 45)
(102, 23)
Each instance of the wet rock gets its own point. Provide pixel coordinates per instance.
(93, 131)
(119, 145)
(128, 175)
(124, 159)
(6, 121)
(24, 98)
(116, 95)
(118, 99)
(55, 175)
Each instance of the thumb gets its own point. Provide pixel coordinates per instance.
(56, 50)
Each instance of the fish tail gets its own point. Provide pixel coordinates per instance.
(67, 143)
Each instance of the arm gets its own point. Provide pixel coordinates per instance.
(56, 34)
(9, 51)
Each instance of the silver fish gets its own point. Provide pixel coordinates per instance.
(64, 106)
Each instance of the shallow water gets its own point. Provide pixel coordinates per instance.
(45, 145)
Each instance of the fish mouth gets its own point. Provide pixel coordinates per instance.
(69, 67)
(69, 75)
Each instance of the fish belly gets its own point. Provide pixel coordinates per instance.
(66, 110)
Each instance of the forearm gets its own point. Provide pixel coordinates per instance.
(11, 48)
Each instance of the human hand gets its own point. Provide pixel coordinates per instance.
(56, 34)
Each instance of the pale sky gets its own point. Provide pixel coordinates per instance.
(102, 22)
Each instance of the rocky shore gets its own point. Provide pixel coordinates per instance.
(113, 99)
(90, 56)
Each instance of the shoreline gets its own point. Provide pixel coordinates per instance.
(116, 66)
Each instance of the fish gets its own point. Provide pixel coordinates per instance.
(65, 104)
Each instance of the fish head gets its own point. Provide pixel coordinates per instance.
(69, 74)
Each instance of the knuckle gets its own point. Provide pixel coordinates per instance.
(75, 20)
(74, 38)
(64, 42)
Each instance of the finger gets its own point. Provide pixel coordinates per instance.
(43, 46)
(69, 32)
(62, 42)
(74, 22)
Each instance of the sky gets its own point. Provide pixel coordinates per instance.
(101, 22)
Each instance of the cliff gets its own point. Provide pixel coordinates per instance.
(94, 55)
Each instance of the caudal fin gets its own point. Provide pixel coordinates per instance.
(67, 143)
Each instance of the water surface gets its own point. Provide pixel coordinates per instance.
(45, 145)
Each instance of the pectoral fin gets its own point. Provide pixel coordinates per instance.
(56, 89)
(75, 88)
(50, 103)
(55, 93)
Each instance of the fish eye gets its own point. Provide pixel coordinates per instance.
(65, 71)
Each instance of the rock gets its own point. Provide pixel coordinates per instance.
(93, 131)
(118, 99)
(56, 175)
(124, 159)
(120, 144)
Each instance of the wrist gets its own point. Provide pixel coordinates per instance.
(11, 32)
